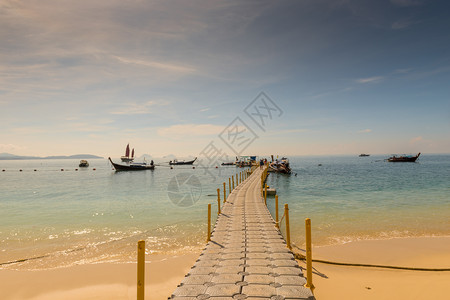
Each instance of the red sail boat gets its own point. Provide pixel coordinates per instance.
(126, 157)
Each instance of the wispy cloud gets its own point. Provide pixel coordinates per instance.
(370, 79)
(365, 131)
(204, 109)
(156, 64)
(139, 108)
(190, 130)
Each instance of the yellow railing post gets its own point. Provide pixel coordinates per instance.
(232, 180)
(265, 194)
(309, 283)
(141, 270)
(288, 233)
(224, 193)
(229, 185)
(218, 201)
(240, 177)
(209, 223)
(276, 212)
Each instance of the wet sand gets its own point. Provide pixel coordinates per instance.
(164, 273)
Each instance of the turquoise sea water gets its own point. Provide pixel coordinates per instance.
(87, 216)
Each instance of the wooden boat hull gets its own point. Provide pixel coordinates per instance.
(403, 158)
(177, 163)
(131, 167)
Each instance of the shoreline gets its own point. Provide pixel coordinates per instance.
(164, 273)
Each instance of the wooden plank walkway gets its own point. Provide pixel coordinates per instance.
(247, 257)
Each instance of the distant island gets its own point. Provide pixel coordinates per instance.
(8, 156)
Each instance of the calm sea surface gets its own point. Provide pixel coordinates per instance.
(60, 218)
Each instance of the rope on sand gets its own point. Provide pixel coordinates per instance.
(302, 257)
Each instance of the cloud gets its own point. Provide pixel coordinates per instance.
(204, 109)
(416, 140)
(365, 131)
(139, 108)
(10, 148)
(370, 79)
(156, 64)
(190, 130)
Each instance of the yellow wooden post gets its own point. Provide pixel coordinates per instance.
(240, 177)
(218, 201)
(209, 223)
(309, 282)
(288, 233)
(229, 185)
(141, 270)
(265, 194)
(276, 211)
(224, 193)
(232, 180)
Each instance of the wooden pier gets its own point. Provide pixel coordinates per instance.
(246, 258)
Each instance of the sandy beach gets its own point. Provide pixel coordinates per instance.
(97, 281)
(164, 273)
(341, 282)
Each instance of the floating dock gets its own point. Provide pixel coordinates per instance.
(247, 257)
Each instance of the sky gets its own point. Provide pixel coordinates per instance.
(173, 77)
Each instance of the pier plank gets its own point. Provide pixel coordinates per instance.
(247, 257)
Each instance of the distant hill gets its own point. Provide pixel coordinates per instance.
(9, 156)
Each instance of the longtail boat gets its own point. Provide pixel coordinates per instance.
(182, 162)
(403, 158)
(133, 166)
